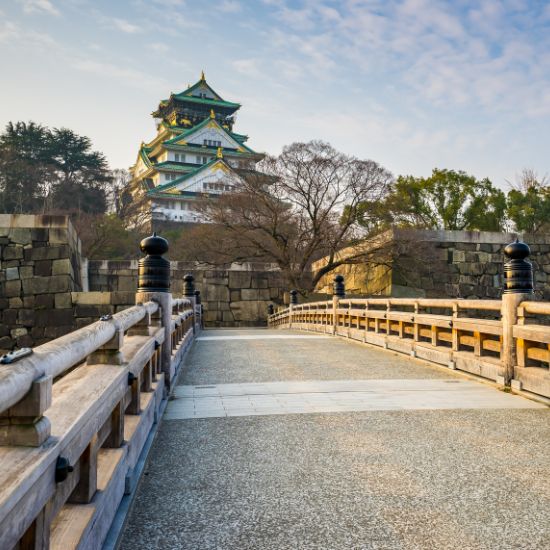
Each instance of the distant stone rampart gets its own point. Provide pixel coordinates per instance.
(439, 264)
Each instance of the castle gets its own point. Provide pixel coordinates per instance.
(195, 154)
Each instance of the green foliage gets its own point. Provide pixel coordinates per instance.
(446, 200)
(43, 170)
(529, 209)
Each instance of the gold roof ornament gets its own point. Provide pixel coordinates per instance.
(202, 76)
(212, 113)
(219, 153)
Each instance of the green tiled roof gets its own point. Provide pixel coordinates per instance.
(202, 124)
(207, 101)
(174, 166)
(170, 184)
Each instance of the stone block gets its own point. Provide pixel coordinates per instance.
(63, 300)
(250, 294)
(44, 301)
(37, 332)
(92, 311)
(26, 272)
(6, 343)
(239, 279)
(59, 235)
(459, 256)
(12, 253)
(24, 341)
(43, 268)
(4, 330)
(9, 317)
(235, 296)
(62, 316)
(126, 298)
(227, 316)
(127, 284)
(211, 316)
(91, 298)
(12, 288)
(18, 331)
(253, 311)
(26, 317)
(216, 293)
(47, 285)
(47, 253)
(62, 267)
(259, 282)
(20, 235)
(39, 234)
(12, 273)
(15, 303)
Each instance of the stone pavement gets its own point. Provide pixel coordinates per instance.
(304, 442)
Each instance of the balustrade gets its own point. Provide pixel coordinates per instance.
(76, 414)
(505, 340)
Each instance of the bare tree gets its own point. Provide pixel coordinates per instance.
(297, 208)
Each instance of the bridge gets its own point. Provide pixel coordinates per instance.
(347, 423)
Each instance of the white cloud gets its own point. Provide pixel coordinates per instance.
(159, 47)
(8, 31)
(247, 67)
(40, 6)
(124, 26)
(230, 6)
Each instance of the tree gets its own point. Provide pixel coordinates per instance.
(446, 200)
(43, 170)
(26, 167)
(301, 206)
(528, 203)
(82, 174)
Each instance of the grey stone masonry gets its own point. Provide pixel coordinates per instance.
(441, 264)
(236, 296)
(40, 265)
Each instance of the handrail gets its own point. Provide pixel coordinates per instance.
(59, 355)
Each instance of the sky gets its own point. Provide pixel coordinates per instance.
(411, 84)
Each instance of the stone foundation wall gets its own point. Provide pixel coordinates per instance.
(40, 265)
(454, 264)
(234, 297)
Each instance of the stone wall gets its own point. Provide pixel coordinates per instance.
(40, 265)
(439, 264)
(237, 296)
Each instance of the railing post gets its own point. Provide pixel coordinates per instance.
(189, 293)
(154, 285)
(270, 311)
(339, 291)
(198, 305)
(292, 302)
(518, 287)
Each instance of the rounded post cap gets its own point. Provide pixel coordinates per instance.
(154, 245)
(188, 277)
(339, 279)
(517, 250)
(293, 292)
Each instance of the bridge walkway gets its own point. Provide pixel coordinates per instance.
(286, 440)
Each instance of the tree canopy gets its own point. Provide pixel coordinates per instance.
(45, 170)
(446, 200)
(290, 211)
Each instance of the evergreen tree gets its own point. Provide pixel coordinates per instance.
(43, 170)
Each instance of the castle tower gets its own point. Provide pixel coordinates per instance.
(195, 153)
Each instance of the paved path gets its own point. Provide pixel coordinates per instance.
(283, 440)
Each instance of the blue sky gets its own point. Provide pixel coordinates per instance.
(412, 84)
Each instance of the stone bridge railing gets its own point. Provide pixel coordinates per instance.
(77, 413)
(507, 341)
